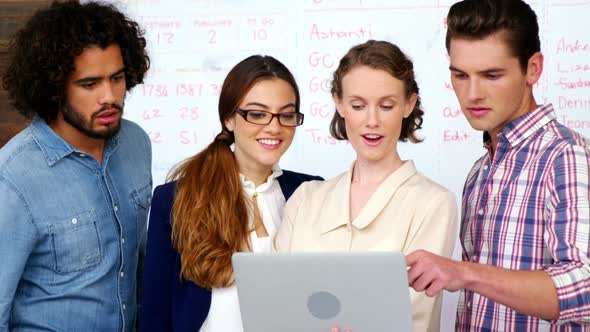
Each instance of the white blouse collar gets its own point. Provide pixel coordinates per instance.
(250, 187)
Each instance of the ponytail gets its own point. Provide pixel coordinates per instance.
(210, 214)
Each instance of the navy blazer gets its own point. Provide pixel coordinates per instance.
(169, 303)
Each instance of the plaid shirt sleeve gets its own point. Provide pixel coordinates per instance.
(567, 233)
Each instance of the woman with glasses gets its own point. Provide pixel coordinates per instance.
(220, 202)
(382, 203)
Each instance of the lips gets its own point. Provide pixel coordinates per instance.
(269, 143)
(478, 112)
(372, 139)
(108, 117)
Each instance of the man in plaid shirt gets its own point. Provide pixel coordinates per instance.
(525, 217)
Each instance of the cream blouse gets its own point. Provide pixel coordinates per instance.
(407, 212)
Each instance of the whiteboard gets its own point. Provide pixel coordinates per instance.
(194, 43)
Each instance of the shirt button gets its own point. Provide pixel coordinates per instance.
(469, 304)
(82, 155)
(123, 240)
(122, 274)
(124, 307)
(75, 221)
(480, 212)
(485, 168)
(116, 208)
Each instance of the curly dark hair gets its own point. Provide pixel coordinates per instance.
(42, 53)
(383, 55)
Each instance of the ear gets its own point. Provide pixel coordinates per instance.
(410, 105)
(338, 104)
(230, 123)
(534, 68)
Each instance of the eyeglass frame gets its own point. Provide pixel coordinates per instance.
(244, 114)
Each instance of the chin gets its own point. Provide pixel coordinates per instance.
(267, 162)
(103, 134)
(478, 125)
(272, 156)
(370, 158)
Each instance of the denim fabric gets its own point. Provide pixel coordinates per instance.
(72, 231)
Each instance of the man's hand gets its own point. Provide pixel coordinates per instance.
(432, 273)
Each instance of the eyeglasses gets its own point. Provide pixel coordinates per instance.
(290, 119)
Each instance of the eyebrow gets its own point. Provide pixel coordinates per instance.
(381, 98)
(486, 71)
(451, 68)
(98, 78)
(289, 105)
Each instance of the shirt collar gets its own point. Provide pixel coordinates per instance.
(524, 126)
(55, 148)
(373, 207)
(251, 188)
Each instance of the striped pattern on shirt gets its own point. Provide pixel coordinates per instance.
(528, 209)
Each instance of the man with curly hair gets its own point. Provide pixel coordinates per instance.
(75, 185)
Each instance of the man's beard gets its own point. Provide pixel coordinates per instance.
(76, 120)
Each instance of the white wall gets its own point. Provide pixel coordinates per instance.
(193, 44)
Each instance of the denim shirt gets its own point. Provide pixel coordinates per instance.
(72, 231)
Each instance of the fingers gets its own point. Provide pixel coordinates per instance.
(413, 274)
(435, 288)
(433, 273)
(415, 271)
(414, 257)
(424, 273)
(423, 280)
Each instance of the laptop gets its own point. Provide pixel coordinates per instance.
(313, 292)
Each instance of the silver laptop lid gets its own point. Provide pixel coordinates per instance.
(309, 292)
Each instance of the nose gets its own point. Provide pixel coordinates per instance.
(372, 117)
(274, 126)
(107, 94)
(475, 90)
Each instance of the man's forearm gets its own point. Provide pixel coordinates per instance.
(529, 292)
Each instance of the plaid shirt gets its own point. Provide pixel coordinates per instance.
(527, 208)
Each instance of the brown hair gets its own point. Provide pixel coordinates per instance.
(477, 19)
(384, 56)
(210, 219)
